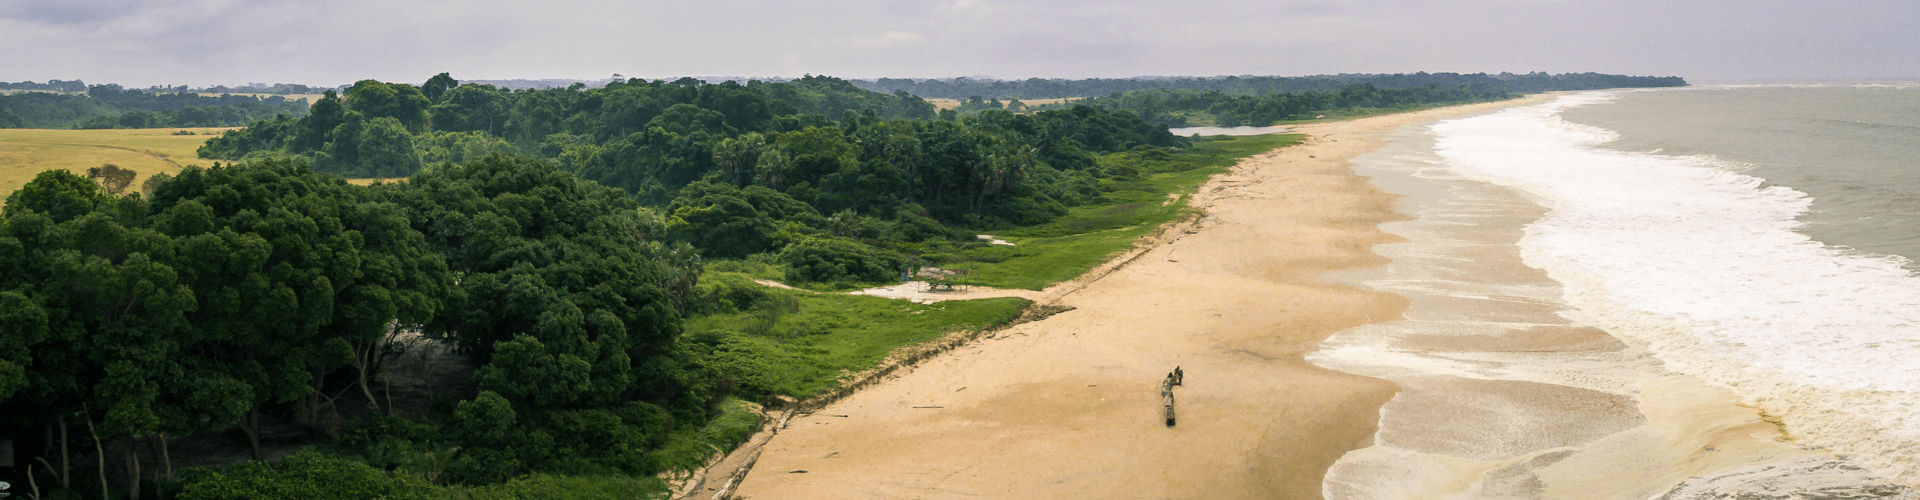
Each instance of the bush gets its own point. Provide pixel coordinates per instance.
(569, 487)
(828, 259)
(305, 474)
(726, 293)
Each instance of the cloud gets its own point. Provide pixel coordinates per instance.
(889, 39)
(200, 42)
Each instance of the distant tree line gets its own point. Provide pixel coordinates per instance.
(112, 106)
(1039, 88)
(50, 86)
(77, 86)
(278, 88)
(1182, 108)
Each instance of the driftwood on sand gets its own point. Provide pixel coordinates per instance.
(1166, 392)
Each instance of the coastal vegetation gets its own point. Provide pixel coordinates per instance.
(1185, 108)
(597, 258)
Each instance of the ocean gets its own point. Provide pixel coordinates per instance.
(1703, 292)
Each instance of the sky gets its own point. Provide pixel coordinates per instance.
(229, 42)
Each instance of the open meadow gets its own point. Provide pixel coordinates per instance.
(311, 98)
(25, 153)
(944, 103)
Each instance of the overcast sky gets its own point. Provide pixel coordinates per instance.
(207, 42)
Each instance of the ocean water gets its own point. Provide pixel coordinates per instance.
(1607, 290)
(1853, 149)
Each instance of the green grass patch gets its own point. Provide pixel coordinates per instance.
(797, 343)
(688, 449)
(1136, 204)
(557, 486)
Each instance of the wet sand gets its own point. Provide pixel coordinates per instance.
(1069, 407)
(1506, 394)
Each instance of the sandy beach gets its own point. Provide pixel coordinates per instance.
(1069, 407)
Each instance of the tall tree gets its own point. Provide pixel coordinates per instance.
(560, 294)
(438, 86)
(398, 101)
(294, 269)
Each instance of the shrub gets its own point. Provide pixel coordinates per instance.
(305, 474)
(827, 259)
(726, 293)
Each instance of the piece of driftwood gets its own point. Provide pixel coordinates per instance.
(1166, 391)
(740, 474)
(1166, 398)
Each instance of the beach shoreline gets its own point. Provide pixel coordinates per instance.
(1510, 386)
(1070, 406)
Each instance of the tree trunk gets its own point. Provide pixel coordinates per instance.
(100, 452)
(319, 391)
(133, 468)
(250, 424)
(66, 468)
(33, 483)
(166, 459)
(386, 377)
(363, 360)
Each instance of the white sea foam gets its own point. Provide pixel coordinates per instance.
(1703, 266)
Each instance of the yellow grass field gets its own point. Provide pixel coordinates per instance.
(373, 180)
(311, 98)
(25, 153)
(944, 103)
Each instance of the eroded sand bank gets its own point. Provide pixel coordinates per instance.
(1069, 407)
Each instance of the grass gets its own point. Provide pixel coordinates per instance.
(1136, 205)
(311, 98)
(25, 153)
(1053, 103)
(687, 450)
(556, 486)
(369, 181)
(798, 343)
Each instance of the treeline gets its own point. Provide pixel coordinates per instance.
(111, 106)
(1182, 108)
(278, 88)
(77, 86)
(49, 86)
(817, 142)
(1039, 88)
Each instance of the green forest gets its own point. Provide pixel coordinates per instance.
(111, 106)
(1186, 108)
(590, 254)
